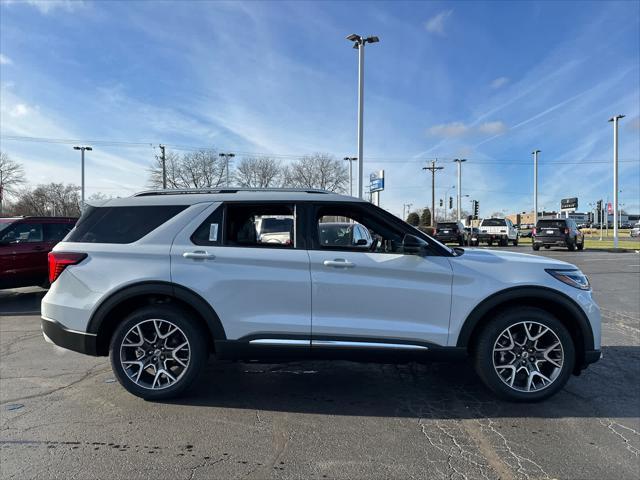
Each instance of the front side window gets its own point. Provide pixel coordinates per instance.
(264, 225)
(22, 233)
(352, 229)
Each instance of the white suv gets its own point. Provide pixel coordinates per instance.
(163, 279)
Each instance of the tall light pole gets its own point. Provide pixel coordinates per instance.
(615, 120)
(408, 210)
(459, 202)
(350, 160)
(358, 43)
(82, 149)
(535, 186)
(226, 157)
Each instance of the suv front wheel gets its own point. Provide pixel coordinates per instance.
(157, 352)
(524, 355)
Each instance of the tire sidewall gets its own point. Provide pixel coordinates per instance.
(192, 331)
(483, 357)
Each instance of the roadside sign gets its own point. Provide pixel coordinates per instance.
(569, 204)
(376, 180)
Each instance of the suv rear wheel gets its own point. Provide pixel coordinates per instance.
(524, 355)
(157, 352)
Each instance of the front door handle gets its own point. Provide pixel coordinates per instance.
(199, 255)
(338, 263)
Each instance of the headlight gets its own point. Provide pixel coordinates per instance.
(575, 278)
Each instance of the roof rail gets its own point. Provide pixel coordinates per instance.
(218, 190)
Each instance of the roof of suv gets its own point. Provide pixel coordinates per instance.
(193, 196)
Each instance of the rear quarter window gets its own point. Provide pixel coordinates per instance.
(121, 224)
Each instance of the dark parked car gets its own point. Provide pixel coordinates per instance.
(24, 245)
(557, 232)
(447, 232)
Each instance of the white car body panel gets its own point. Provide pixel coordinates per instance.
(381, 296)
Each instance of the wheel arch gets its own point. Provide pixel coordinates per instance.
(118, 304)
(556, 303)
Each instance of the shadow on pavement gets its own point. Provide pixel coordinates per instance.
(21, 301)
(608, 388)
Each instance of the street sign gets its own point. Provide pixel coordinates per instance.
(376, 181)
(569, 204)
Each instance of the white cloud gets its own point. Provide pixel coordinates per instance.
(436, 24)
(19, 110)
(453, 129)
(4, 60)
(492, 128)
(499, 82)
(459, 129)
(46, 6)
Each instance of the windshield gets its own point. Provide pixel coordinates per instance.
(493, 222)
(276, 225)
(551, 224)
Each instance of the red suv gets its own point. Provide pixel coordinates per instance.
(24, 245)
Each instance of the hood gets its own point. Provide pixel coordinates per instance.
(501, 256)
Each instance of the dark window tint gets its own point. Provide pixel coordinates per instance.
(551, 223)
(265, 225)
(54, 232)
(210, 232)
(451, 225)
(493, 222)
(121, 224)
(22, 233)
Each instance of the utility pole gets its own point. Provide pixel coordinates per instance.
(459, 202)
(535, 186)
(82, 149)
(433, 170)
(408, 210)
(358, 43)
(164, 167)
(350, 160)
(615, 120)
(227, 156)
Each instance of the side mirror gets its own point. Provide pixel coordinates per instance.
(414, 245)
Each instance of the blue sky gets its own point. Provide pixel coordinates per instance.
(487, 81)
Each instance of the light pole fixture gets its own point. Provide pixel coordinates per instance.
(459, 202)
(615, 121)
(358, 43)
(82, 149)
(226, 157)
(350, 160)
(535, 186)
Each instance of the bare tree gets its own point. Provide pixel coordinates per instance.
(317, 171)
(259, 172)
(199, 169)
(11, 177)
(55, 199)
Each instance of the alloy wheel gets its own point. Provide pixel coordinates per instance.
(155, 354)
(528, 356)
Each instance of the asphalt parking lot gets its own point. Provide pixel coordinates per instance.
(62, 415)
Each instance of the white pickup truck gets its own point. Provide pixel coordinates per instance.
(499, 230)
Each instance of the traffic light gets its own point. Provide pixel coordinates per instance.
(476, 208)
(450, 203)
(599, 211)
(440, 202)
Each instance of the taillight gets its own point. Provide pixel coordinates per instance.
(58, 261)
(566, 231)
(534, 231)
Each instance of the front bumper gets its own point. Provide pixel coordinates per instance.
(57, 334)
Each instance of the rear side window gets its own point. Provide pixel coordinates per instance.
(54, 232)
(121, 224)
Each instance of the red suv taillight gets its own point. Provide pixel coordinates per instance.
(534, 231)
(58, 261)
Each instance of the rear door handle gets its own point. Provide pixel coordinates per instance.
(338, 263)
(199, 255)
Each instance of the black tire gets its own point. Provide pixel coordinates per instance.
(461, 241)
(547, 247)
(483, 354)
(581, 245)
(190, 328)
(515, 242)
(504, 242)
(490, 242)
(571, 246)
(535, 247)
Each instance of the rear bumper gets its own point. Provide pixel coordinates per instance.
(447, 238)
(550, 241)
(57, 334)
